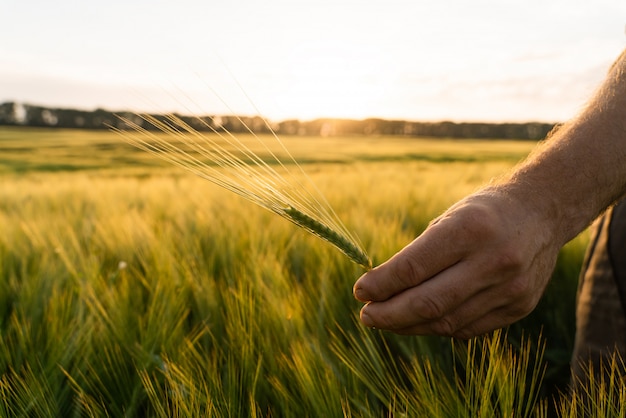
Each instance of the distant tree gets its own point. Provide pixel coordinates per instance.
(7, 113)
(12, 113)
(289, 127)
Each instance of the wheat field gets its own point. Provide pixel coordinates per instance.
(132, 288)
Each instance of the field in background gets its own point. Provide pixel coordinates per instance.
(128, 287)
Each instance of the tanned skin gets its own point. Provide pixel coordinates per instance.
(486, 261)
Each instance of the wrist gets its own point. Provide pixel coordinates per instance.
(560, 215)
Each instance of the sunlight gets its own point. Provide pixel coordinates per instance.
(402, 60)
(326, 78)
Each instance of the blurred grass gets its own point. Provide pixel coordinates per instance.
(57, 150)
(129, 288)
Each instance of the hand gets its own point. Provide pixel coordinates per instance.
(480, 266)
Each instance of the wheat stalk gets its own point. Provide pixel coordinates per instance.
(225, 160)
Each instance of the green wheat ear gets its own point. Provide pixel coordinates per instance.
(222, 158)
(343, 243)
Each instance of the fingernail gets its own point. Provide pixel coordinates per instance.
(365, 318)
(358, 293)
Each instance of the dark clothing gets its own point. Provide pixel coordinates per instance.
(601, 308)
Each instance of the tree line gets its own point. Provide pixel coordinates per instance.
(18, 114)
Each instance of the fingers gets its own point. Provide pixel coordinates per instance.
(474, 329)
(422, 306)
(479, 312)
(495, 319)
(422, 259)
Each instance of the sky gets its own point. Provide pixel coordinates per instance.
(492, 61)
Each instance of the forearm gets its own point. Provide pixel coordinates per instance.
(581, 170)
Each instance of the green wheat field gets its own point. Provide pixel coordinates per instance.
(131, 288)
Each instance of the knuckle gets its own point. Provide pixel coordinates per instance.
(518, 289)
(430, 308)
(480, 215)
(509, 258)
(407, 272)
(444, 326)
(478, 221)
(521, 308)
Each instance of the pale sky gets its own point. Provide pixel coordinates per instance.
(407, 59)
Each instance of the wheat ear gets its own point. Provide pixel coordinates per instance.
(347, 246)
(238, 169)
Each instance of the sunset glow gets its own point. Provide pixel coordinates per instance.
(484, 60)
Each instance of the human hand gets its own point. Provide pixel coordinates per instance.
(480, 266)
